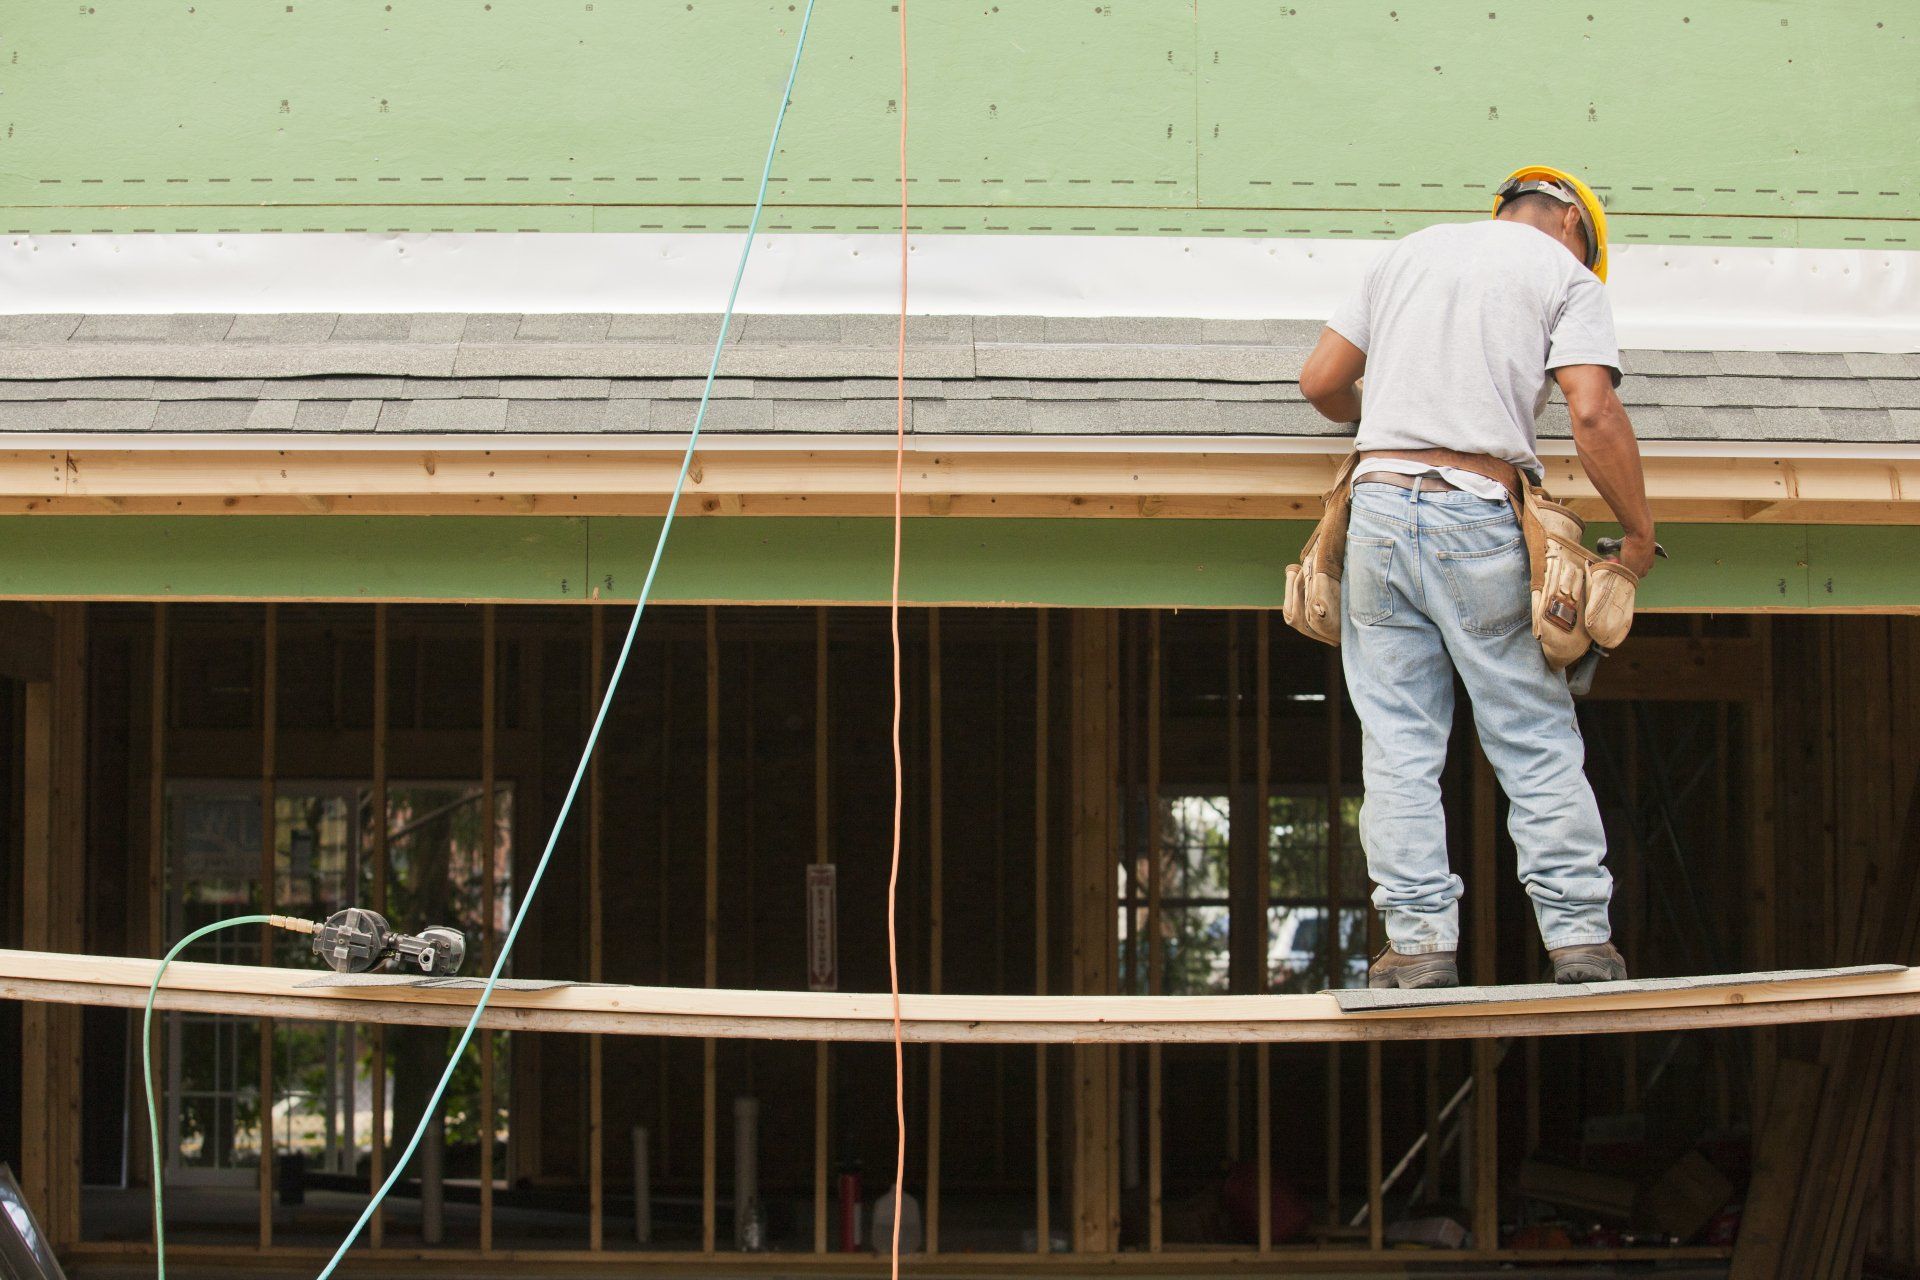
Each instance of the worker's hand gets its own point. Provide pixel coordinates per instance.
(1637, 554)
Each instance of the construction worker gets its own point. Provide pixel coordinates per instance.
(1456, 329)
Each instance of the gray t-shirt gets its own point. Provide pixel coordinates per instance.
(1461, 324)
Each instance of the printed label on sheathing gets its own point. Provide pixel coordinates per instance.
(823, 944)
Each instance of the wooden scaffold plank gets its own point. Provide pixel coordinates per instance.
(700, 1012)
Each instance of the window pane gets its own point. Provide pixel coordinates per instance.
(1303, 953)
(1297, 848)
(1193, 893)
(1193, 847)
(1197, 954)
(1299, 954)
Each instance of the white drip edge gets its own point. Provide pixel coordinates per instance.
(1675, 297)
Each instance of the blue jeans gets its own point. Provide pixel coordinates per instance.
(1437, 583)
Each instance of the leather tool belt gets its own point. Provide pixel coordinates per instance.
(1580, 601)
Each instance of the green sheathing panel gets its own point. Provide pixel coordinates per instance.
(328, 557)
(1184, 563)
(1122, 563)
(1855, 568)
(1721, 120)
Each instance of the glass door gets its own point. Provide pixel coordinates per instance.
(322, 1071)
(213, 1064)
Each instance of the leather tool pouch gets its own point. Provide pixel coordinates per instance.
(1312, 602)
(1611, 587)
(1559, 565)
(1580, 599)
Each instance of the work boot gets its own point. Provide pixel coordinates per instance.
(1593, 962)
(1413, 973)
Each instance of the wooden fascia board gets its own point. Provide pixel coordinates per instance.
(994, 477)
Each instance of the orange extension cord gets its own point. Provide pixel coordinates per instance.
(899, 766)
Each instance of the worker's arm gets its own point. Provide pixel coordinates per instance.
(1603, 436)
(1327, 379)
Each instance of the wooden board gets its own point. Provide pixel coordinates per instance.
(469, 1264)
(1113, 479)
(859, 1016)
(1359, 1001)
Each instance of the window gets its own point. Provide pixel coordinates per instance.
(1304, 951)
(323, 838)
(1194, 906)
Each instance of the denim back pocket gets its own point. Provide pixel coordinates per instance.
(1490, 588)
(1368, 593)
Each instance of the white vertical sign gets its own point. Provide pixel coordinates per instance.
(823, 943)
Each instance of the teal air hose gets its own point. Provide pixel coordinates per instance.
(433, 1105)
(146, 1072)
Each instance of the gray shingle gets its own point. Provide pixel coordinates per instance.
(320, 415)
(273, 416)
(490, 327)
(1232, 332)
(1294, 333)
(951, 389)
(722, 415)
(554, 388)
(825, 417)
(219, 360)
(1638, 392)
(438, 326)
(723, 388)
(174, 328)
(1113, 389)
(449, 388)
(556, 416)
(1672, 422)
(443, 416)
(1863, 425)
(76, 415)
(38, 328)
(372, 328)
(1864, 364)
(1806, 364)
(1297, 418)
(363, 416)
(1740, 364)
(563, 328)
(1678, 364)
(336, 388)
(305, 327)
(617, 360)
(1114, 360)
(1895, 393)
(1009, 329)
(202, 415)
(439, 372)
(627, 417)
(681, 328)
(811, 330)
(1126, 417)
(1832, 393)
(882, 331)
(973, 417)
(79, 389)
(837, 388)
(204, 388)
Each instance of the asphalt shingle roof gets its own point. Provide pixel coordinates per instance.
(1013, 375)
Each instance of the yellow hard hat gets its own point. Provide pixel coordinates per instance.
(1562, 186)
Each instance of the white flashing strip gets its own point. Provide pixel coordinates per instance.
(1665, 296)
(1272, 446)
